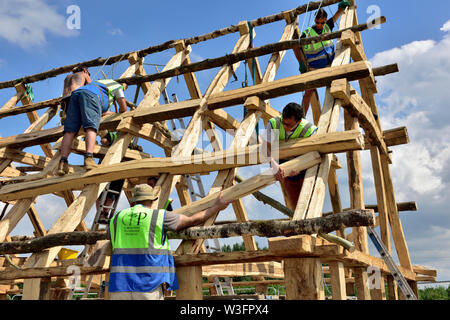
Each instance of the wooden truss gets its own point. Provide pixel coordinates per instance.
(302, 256)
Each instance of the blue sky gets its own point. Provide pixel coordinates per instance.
(34, 38)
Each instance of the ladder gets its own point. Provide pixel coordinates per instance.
(401, 281)
(219, 286)
(110, 209)
(98, 221)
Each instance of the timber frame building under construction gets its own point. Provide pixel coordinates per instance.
(301, 250)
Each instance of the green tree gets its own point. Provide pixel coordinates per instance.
(436, 293)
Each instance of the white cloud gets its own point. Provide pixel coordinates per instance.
(417, 98)
(432, 251)
(116, 32)
(28, 22)
(446, 26)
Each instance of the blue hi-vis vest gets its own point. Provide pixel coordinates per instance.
(103, 89)
(141, 259)
(320, 54)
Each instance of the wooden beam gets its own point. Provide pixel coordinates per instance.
(392, 137)
(401, 206)
(9, 222)
(24, 157)
(36, 222)
(12, 102)
(34, 127)
(381, 198)
(338, 285)
(311, 80)
(79, 147)
(335, 198)
(148, 132)
(33, 117)
(251, 185)
(356, 106)
(270, 228)
(266, 269)
(356, 185)
(394, 218)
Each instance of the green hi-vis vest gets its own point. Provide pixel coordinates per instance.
(304, 130)
(319, 54)
(110, 86)
(141, 259)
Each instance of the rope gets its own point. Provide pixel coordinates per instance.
(304, 20)
(114, 65)
(8, 258)
(101, 67)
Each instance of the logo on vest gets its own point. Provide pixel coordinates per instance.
(132, 222)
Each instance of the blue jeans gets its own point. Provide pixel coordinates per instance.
(84, 110)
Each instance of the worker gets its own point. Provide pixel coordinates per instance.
(291, 125)
(151, 181)
(141, 259)
(321, 54)
(87, 105)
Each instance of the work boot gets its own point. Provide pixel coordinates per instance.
(63, 168)
(89, 163)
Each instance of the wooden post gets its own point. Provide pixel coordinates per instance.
(392, 288)
(338, 285)
(379, 293)
(190, 282)
(362, 290)
(303, 279)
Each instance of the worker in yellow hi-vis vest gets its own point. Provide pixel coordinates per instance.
(290, 125)
(320, 54)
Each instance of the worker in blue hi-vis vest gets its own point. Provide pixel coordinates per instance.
(89, 101)
(141, 261)
(290, 125)
(320, 54)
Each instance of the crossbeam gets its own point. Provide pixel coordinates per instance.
(202, 163)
